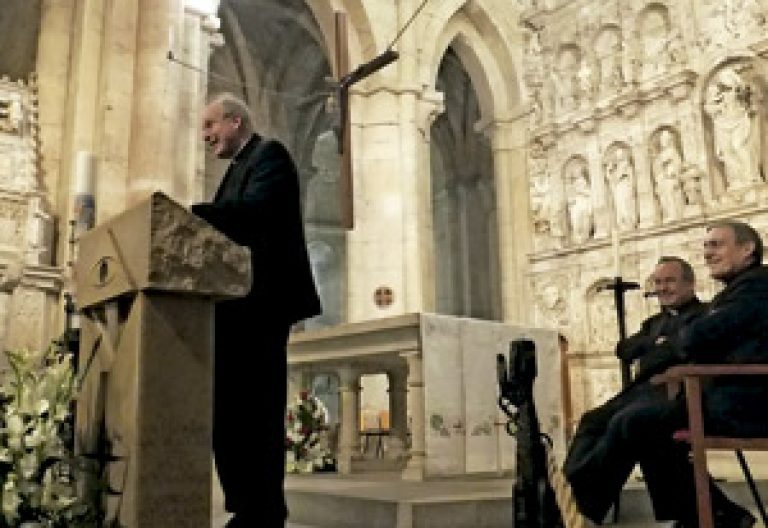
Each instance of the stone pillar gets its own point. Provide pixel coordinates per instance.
(398, 412)
(146, 285)
(299, 379)
(198, 35)
(349, 441)
(513, 216)
(155, 111)
(414, 470)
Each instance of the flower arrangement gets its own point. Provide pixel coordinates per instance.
(36, 473)
(306, 419)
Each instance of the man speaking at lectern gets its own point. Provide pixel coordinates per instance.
(256, 205)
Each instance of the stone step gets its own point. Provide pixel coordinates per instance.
(383, 501)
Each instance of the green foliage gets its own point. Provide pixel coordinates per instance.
(36, 461)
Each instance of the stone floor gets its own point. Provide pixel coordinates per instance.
(442, 495)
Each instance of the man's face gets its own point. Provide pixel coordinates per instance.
(221, 133)
(670, 286)
(724, 256)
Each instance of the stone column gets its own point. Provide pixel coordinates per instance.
(398, 412)
(349, 441)
(198, 36)
(513, 215)
(155, 112)
(298, 380)
(415, 468)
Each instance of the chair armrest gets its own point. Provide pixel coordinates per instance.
(679, 372)
(673, 377)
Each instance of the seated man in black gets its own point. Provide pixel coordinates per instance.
(674, 284)
(732, 330)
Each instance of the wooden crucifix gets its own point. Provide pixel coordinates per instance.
(344, 81)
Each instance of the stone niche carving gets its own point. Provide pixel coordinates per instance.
(610, 59)
(619, 170)
(565, 78)
(656, 40)
(29, 286)
(735, 125)
(579, 200)
(547, 205)
(667, 169)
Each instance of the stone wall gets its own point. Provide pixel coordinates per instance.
(28, 285)
(647, 119)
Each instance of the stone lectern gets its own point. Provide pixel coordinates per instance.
(146, 283)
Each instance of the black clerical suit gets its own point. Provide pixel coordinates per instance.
(732, 330)
(597, 433)
(258, 205)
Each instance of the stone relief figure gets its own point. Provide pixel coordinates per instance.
(579, 200)
(620, 175)
(551, 303)
(667, 168)
(610, 59)
(654, 30)
(734, 127)
(565, 79)
(546, 201)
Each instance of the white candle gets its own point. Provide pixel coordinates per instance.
(170, 39)
(84, 203)
(84, 173)
(616, 256)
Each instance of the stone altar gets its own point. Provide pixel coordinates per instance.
(443, 389)
(146, 281)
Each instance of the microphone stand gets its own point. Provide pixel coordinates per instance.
(620, 287)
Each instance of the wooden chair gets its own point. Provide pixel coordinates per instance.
(691, 376)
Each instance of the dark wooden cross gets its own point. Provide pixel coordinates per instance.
(345, 79)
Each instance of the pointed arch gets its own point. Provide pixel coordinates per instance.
(363, 45)
(479, 43)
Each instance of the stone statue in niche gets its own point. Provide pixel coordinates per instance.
(610, 58)
(579, 200)
(620, 175)
(546, 201)
(323, 205)
(565, 80)
(735, 128)
(655, 41)
(667, 175)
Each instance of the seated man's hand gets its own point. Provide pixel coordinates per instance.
(632, 347)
